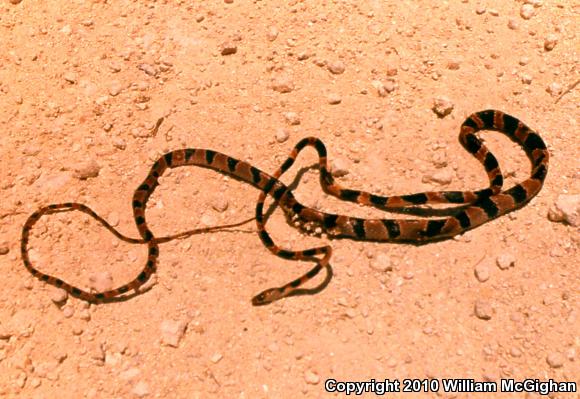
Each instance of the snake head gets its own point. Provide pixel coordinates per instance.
(268, 296)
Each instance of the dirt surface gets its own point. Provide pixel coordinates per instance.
(82, 85)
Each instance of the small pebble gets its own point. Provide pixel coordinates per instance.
(4, 248)
(480, 10)
(220, 204)
(172, 331)
(527, 11)
(148, 69)
(554, 89)
(338, 167)
(311, 377)
(272, 33)
(114, 218)
(566, 209)
(334, 99)
(228, 48)
(493, 12)
(101, 281)
(86, 169)
(282, 135)
(453, 65)
(15, 1)
(482, 272)
(115, 89)
(292, 118)
(336, 67)
(526, 79)
(216, 357)
(442, 106)
(442, 177)
(70, 77)
(555, 360)
(513, 24)
(283, 84)
(505, 261)
(550, 42)
(58, 295)
(483, 310)
(141, 389)
(381, 263)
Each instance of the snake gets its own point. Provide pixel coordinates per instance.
(474, 208)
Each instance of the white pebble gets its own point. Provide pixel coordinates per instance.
(283, 84)
(141, 389)
(87, 169)
(566, 209)
(282, 135)
(272, 33)
(527, 11)
(381, 263)
(505, 261)
(555, 360)
(336, 67)
(550, 42)
(483, 310)
(101, 281)
(311, 377)
(172, 331)
(441, 177)
(216, 357)
(338, 167)
(334, 98)
(482, 272)
(442, 106)
(292, 118)
(554, 89)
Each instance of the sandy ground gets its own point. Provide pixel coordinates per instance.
(82, 84)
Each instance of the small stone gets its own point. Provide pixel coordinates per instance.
(482, 272)
(220, 204)
(70, 77)
(336, 67)
(87, 169)
(566, 209)
(311, 377)
(493, 12)
(453, 65)
(505, 261)
(292, 118)
(120, 143)
(442, 106)
(442, 177)
(483, 310)
(338, 167)
(101, 281)
(115, 89)
(4, 248)
(228, 48)
(513, 24)
(381, 263)
(148, 69)
(555, 360)
(550, 42)
(526, 79)
(515, 352)
(282, 135)
(58, 295)
(229, 1)
(216, 357)
(480, 10)
(172, 331)
(378, 85)
(334, 99)
(15, 1)
(527, 11)
(272, 33)
(554, 89)
(141, 389)
(114, 218)
(283, 84)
